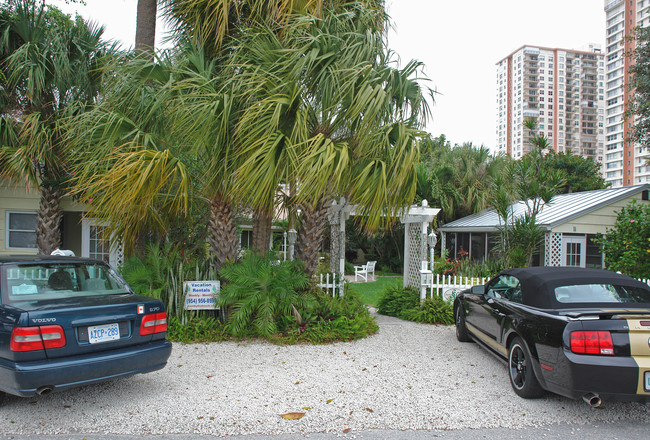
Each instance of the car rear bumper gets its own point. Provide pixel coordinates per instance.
(26, 378)
(612, 378)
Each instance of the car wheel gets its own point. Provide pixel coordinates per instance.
(522, 375)
(461, 329)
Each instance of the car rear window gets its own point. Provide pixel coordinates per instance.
(42, 282)
(601, 293)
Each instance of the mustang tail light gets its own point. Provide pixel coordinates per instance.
(153, 323)
(592, 342)
(37, 338)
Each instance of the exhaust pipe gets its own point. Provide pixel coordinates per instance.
(592, 399)
(44, 391)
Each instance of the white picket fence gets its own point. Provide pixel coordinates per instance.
(330, 284)
(448, 286)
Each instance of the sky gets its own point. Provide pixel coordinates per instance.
(459, 42)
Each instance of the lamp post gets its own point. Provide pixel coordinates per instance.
(284, 234)
(432, 239)
(293, 235)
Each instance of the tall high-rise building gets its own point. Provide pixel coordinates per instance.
(562, 90)
(625, 162)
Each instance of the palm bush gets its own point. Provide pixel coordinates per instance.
(260, 293)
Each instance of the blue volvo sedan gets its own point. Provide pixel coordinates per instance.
(67, 322)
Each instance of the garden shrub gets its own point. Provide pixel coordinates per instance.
(627, 244)
(198, 329)
(336, 319)
(396, 299)
(433, 311)
(404, 303)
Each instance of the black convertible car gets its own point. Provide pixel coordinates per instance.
(575, 332)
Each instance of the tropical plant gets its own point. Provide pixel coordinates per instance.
(532, 184)
(161, 273)
(457, 179)
(580, 173)
(260, 292)
(145, 29)
(328, 118)
(640, 72)
(627, 245)
(50, 71)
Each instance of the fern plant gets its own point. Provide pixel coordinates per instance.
(260, 293)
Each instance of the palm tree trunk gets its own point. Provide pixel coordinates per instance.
(222, 232)
(262, 222)
(145, 29)
(310, 235)
(48, 232)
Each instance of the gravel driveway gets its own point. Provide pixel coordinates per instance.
(408, 376)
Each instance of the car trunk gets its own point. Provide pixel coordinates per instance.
(95, 324)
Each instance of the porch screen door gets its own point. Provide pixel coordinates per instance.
(574, 251)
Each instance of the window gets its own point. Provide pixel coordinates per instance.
(506, 287)
(21, 230)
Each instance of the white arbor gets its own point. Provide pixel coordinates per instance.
(416, 220)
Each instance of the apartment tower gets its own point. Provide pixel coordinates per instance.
(625, 162)
(562, 89)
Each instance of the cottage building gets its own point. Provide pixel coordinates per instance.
(18, 220)
(570, 222)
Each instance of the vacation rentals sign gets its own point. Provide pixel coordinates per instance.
(201, 295)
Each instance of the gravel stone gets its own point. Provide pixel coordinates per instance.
(406, 377)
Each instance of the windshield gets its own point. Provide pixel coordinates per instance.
(602, 293)
(23, 284)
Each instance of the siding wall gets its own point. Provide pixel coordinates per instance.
(14, 198)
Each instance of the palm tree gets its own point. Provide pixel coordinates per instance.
(329, 117)
(51, 65)
(158, 144)
(458, 179)
(145, 29)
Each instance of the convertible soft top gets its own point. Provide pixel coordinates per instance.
(538, 283)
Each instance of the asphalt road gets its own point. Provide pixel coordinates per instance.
(625, 430)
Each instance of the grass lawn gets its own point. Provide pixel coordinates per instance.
(371, 291)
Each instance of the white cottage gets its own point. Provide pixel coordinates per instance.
(570, 221)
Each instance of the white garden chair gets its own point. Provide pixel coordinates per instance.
(365, 270)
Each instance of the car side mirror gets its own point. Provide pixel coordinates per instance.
(478, 290)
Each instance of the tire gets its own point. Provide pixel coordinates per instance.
(461, 329)
(521, 373)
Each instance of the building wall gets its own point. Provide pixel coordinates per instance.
(562, 89)
(625, 162)
(18, 199)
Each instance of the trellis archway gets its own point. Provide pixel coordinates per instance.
(416, 221)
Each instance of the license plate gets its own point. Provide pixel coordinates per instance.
(103, 333)
(646, 380)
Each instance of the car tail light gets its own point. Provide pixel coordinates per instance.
(37, 338)
(592, 342)
(153, 323)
